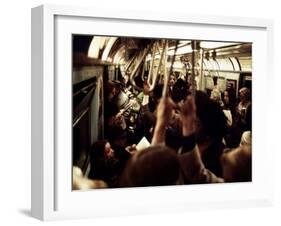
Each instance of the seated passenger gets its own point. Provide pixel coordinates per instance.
(104, 165)
(115, 126)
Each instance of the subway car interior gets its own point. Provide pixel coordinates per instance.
(152, 112)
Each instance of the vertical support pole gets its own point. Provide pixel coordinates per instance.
(193, 45)
(202, 77)
(165, 86)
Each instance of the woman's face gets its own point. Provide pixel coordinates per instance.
(243, 95)
(226, 97)
(108, 151)
(172, 80)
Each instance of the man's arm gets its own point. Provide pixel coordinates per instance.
(190, 158)
(164, 112)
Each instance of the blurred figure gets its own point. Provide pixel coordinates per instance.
(229, 100)
(192, 167)
(158, 164)
(237, 164)
(154, 166)
(79, 182)
(216, 96)
(171, 82)
(243, 107)
(180, 91)
(243, 116)
(246, 138)
(114, 117)
(211, 127)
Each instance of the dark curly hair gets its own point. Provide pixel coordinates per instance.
(211, 116)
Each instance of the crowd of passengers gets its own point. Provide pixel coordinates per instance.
(193, 139)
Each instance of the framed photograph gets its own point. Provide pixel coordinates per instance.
(148, 112)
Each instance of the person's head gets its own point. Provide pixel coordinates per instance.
(113, 88)
(211, 121)
(244, 94)
(180, 91)
(101, 150)
(172, 79)
(229, 97)
(157, 92)
(110, 89)
(216, 95)
(226, 97)
(237, 164)
(153, 166)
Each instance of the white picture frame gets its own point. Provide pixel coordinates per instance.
(52, 197)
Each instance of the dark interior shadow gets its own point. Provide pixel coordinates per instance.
(26, 212)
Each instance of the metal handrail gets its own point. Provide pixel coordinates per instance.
(151, 65)
(166, 78)
(130, 63)
(165, 87)
(132, 75)
(218, 67)
(193, 43)
(151, 86)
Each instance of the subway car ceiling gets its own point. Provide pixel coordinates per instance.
(226, 60)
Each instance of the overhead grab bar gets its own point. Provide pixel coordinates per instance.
(151, 65)
(166, 78)
(218, 67)
(207, 68)
(173, 59)
(130, 63)
(143, 70)
(155, 76)
(165, 87)
(193, 88)
(201, 68)
(132, 75)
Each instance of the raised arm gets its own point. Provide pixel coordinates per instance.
(190, 158)
(164, 112)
